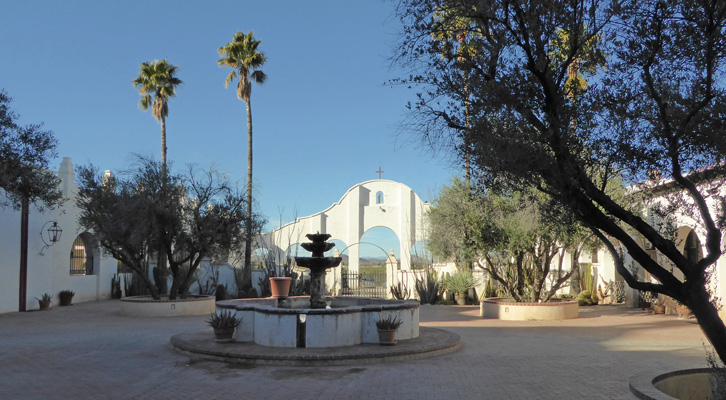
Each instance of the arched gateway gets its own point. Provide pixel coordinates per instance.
(376, 203)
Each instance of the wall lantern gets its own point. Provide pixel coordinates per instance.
(51, 235)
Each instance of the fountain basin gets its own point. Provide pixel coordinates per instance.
(349, 321)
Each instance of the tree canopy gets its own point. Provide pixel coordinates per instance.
(189, 217)
(25, 154)
(658, 104)
(159, 79)
(515, 237)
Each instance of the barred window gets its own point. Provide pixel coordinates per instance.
(82, 255)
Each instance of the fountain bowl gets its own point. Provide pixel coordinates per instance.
(347, 322)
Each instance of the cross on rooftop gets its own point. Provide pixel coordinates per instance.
(379, 172)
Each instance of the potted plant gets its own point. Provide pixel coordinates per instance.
(387, 328)
(683, 311)
(66, 297)
(44, 301)
(658, 306)
(460, 283)
(224, 324)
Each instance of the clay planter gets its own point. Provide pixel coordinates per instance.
(658, 308)
(224, 335)
(387, 337)
(280, 287)
(44, 305)
(683, 312)
(460, 298)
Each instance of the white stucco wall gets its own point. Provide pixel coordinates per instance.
(49, 273)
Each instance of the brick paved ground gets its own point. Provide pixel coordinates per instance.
(90, 351)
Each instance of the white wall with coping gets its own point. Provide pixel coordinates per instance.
(401, 210)
(145, 306)
(50, 272)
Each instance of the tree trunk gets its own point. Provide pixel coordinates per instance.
(162, 120)
(175, 281)
(575, 279)
(140, 273)
(247, 272)
(711, 324)
(22, 292)
(161, 272)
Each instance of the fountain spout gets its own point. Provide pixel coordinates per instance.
(318, 264)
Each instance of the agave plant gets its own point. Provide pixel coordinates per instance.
(225, 319)
(389, 323)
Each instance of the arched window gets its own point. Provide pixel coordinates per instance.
(692, 250)
(82, 255)
(379, 198)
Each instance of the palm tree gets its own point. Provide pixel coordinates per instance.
(157, 78)
(588, 58)
(457, 33)
(242, 56)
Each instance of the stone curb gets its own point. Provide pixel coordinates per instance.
(431, 342)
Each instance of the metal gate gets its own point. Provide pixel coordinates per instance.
(365, 284)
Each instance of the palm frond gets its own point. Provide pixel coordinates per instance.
(230, 78)
(145, 102)
(258, 76)
(158, 77)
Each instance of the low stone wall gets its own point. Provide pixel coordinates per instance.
(348, 321)
(146, 306)
(507, 309)
(685, 384)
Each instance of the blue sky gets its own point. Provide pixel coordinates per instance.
(323, 122)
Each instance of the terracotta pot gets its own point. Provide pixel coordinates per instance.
(659, 308)
(44, 305)
(683, 312)
(460, 298)
(387, 337)
(223, 335)
(280, 287)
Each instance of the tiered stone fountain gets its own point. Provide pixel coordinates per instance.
(318, 264)
(317, 321)
(304, 324)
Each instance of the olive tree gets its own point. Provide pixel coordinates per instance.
(25, 178)
(659, 104)
(189, 217)
(515, 237)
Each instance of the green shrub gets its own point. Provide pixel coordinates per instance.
(400, 291)
(461, 282)
(428, 289)
(490, 290)
(221, 293)
(585, 298)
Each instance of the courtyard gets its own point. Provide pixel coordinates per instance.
(90, 351)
